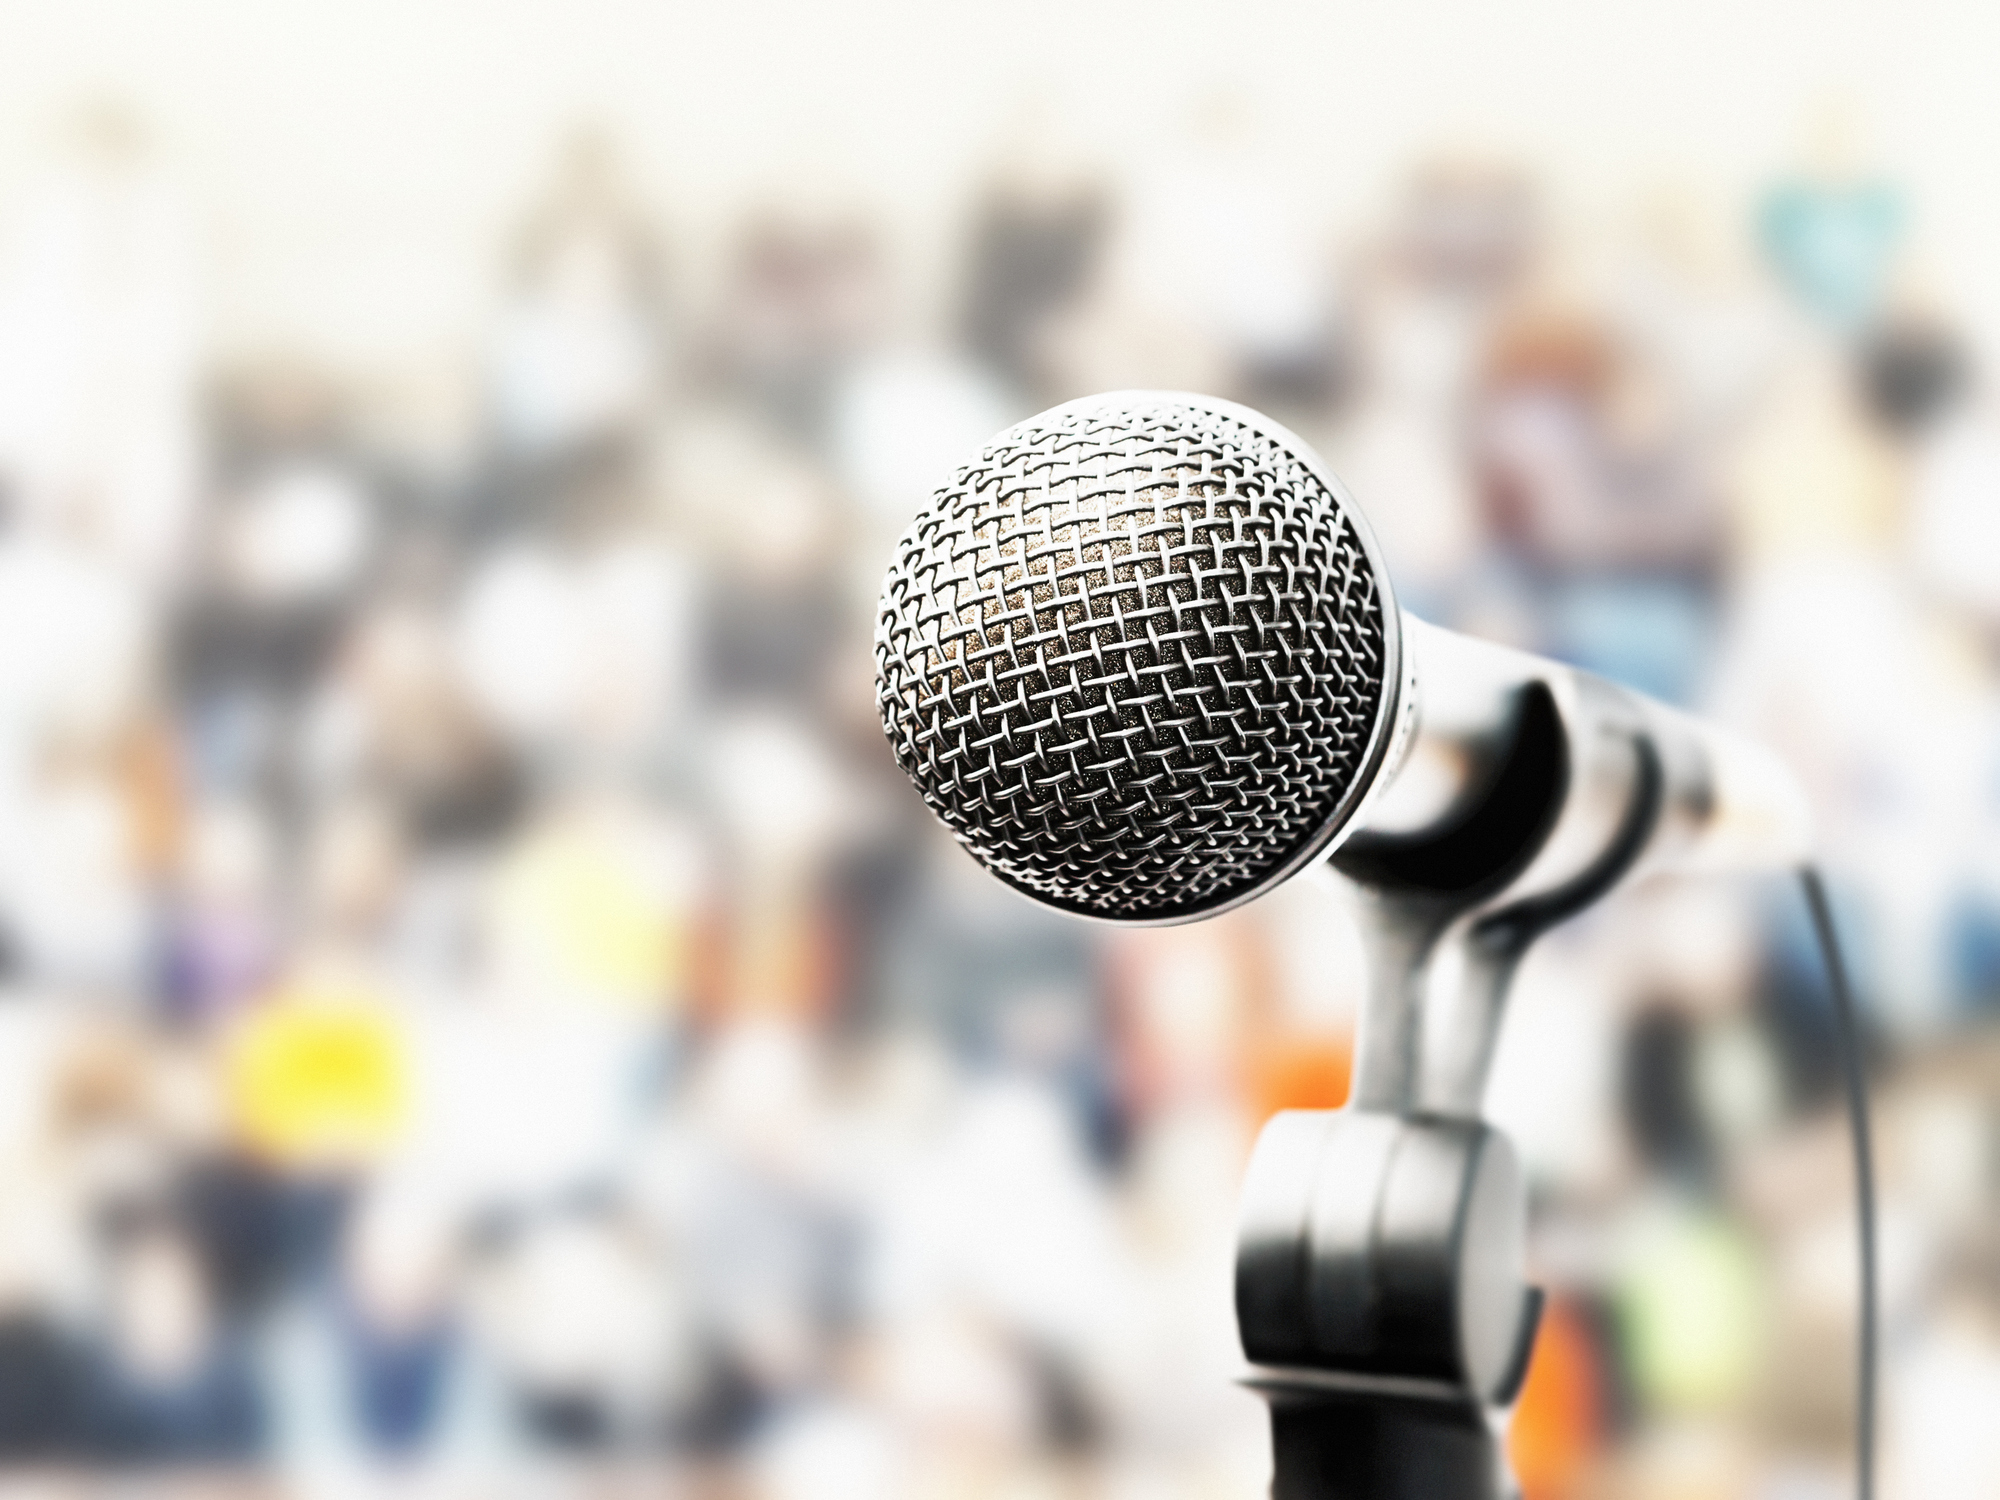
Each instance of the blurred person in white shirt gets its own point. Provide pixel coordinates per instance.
(1035, 249)
(806, 292)
(77, 811)
(101, 340)
(576, 636)
(577, 353)
(1219, 241)
(1463, 234)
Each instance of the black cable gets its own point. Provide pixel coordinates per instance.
(1849, 1028)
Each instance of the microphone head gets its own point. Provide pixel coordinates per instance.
(1140, 656)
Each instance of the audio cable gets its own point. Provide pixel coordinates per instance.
(1848, 1027)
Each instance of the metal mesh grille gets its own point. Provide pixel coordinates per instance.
(1132, 656)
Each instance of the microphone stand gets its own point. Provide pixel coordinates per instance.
(1381, 1288)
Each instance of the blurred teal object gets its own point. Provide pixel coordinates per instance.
(1832, 244)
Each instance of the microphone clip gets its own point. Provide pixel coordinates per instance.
(1381, 1289)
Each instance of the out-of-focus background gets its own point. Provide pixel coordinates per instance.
(484, 1015)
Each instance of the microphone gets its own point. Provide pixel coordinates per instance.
(1142, 657)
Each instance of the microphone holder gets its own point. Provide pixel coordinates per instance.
(1381, 1289)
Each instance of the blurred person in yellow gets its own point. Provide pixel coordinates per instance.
(599, 903)
(1813, 478)
(1692, 1302)
(319, 1073)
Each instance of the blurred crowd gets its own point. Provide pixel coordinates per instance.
(482, 1006)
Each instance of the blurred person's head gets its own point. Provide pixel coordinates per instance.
(588, 1335)
(399, 718)
(954, 1381)
(102, 1132)
(161, 1314)
(781, 797)
(353, 870)
(781, 530)
(102, 1110)
(588, 240)
(1560, 350)
(1814, 474)
(223, 934)
(1914, 368)
(299, 534)
(588, 173)
(1553, 349)
(399, 1259)
(757, 506)
(759, 1091)
(1680, 227)
(807, 290)
(599, 497)
(1041, 157)
(1467, 225)
(228, 857)
(188, 1098)
(278, 404)
(584, 273)
(808, 265)
(397, 660)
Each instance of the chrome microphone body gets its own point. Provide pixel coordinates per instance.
(1142, 656)
(1723, 802)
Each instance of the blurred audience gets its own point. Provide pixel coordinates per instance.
(478, 998)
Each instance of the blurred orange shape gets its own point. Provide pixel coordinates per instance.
(1299, 1072)
(1558, 1424)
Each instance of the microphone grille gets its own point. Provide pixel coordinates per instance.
(1135, 656)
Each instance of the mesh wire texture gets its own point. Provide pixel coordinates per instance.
(1133, 656)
